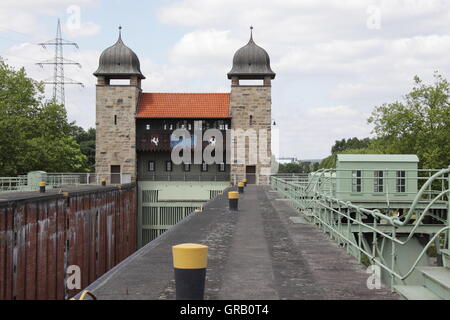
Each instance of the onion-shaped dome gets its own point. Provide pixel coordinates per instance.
(251, 62)
(119, 61)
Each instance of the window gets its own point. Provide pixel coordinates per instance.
(204, 167)
(169, 166)
(187, 167)
(147, 127)
(115, 175)
(222, 167)
(251, 120)
(151, 166)
(115, 120)
(379, 181)
(356, 181)
(401, 181)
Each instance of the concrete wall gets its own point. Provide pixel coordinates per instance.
(255, 101)
(116, 142)
(41, 236)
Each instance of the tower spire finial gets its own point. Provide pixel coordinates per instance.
(251, 33)
(120, 32)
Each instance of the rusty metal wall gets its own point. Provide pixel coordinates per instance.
(40, 237)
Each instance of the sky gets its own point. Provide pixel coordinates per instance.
(335, 59)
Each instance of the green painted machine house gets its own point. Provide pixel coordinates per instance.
(376, 177)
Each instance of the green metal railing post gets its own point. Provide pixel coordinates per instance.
(393, 255)
(448, 211)
(339, 225)
(348, 230)
(374, 240)
(359, 235)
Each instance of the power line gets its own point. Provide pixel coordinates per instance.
(59, 80)
(20, 33)
(23, 34)
(7, 56)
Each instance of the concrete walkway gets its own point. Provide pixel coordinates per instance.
(256, 254)
(248, 272)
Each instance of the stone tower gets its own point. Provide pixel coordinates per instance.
(116, 106)
(251, 111)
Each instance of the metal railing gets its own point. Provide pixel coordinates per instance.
(348, 223)
(58, 180)
(8, 184)
(185, 177)
(339, 183)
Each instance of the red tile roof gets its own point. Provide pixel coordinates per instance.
(184, 105)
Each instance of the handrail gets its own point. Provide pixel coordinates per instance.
(395, 220)
(321, 198)
(419, 195)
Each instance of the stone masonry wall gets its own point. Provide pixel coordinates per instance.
(255, 101)
(116, 143)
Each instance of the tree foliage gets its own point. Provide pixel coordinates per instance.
(352, 145)
(348, 144)
(330, 162)
(34, 134)
(418, 125)
(86, 140)
(298, 167)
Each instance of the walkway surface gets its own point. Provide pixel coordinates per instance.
(255, 254)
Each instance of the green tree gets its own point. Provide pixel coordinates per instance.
(330, 162)
(348, 144)
(298, 167)
(290, 168)
(34, 134)
(316, 166)
(418, 125)
(86, 140)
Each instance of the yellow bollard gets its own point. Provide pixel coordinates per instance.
(241, 187)
(190, 262)
(42, 186)
(234, 200)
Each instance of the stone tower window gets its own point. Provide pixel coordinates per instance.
(169, 166)
(115, 120)
(151, 166)
(251, 120)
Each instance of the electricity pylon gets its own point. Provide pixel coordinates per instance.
(59, 80)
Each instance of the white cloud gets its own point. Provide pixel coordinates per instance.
(87, 29)
(323, 54)
(331, 69)
(27, 24)
(206, 47)
(26, 12)
(331, 112)
(80, 102)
